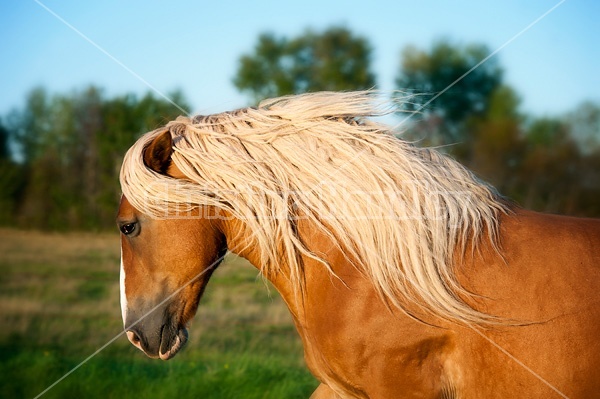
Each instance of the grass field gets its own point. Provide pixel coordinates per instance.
(59, 303)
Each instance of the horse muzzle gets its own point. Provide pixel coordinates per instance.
(156, 336)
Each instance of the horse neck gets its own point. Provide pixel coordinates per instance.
(239, 240)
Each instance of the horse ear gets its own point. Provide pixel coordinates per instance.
(157, 155)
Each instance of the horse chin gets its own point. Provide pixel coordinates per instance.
(172, 344)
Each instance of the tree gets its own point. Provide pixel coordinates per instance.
(584, 122)
(333, 60)
(551, 167)
(584, 125)
(496, 145)
(4, 142)
(425, 74)
(10, 177)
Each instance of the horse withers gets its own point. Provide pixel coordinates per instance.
(406, 276)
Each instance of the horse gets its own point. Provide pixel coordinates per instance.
(405, 275)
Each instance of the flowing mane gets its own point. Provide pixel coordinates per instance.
(402, 214)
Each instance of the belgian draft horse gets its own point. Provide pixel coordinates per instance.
(406, 276)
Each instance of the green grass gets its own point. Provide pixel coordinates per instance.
(59, 304)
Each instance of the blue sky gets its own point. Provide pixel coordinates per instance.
(195, 45)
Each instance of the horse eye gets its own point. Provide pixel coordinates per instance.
(128, 228)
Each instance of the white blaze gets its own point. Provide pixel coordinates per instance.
(123, 296)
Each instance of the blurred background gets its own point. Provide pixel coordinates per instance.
(81, 81)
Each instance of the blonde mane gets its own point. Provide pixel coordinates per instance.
(401, 213)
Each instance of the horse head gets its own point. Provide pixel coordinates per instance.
(165, 265)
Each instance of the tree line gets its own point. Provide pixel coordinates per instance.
(60, 154)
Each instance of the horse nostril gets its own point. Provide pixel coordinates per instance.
(134, 339)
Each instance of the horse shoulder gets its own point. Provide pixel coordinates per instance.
(358, 345)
